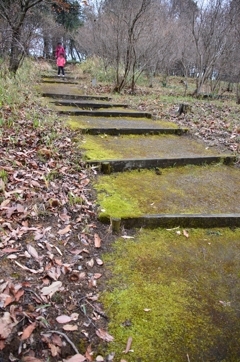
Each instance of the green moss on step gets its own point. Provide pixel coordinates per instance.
(177, 297)
(189, 189)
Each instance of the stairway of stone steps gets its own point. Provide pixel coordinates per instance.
(152, 173)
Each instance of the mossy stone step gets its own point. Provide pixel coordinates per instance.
(178, 220)
(124, 152)
(133, 131)
(84, 104)
(189, 196)
(123, 125)
(110, 113)
(75, 96)
(109, 166)
(65, 80)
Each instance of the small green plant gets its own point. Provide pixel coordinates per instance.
(74, 199)
(3, 175)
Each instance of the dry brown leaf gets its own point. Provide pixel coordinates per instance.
(31, 359)
(70, 327)
(99, 261)
(63, 319)
(51, 289)
(76, 358)
(32, 251)
(128, 346)
(55, 350)
(10, 250)
(6, 325)
(97, 241)
(65, 230)
(88, 354)
(90, 262)
(104, 335)
(74, 316)
(185, 233)
(28, 331)
(56, 339)
(97, 275)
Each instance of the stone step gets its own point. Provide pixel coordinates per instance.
(112, 113)
(177, 220)
(83, 104)
(133, 151)
(109, 166)
(123, 125)
(75, 96)
(189, 196)
(135, 131)
(62, 80)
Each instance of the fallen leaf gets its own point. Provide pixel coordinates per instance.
(76, 358)
(89, 354)
(28, 331)
(6, 325)
(99, 261)
(55, 350)
(185, 233)
(128, 346)
(31, 359)
(56, 339)
(90, 263)
(51, 289)
(65, 230)
(32, 251)
(74, 316)
(97, 241)
(63, 319)
(70, 327)
(104, 335)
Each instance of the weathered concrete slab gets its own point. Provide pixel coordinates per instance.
(60, 80)
(131, 125)
(109, 166)
(201, 196)
(185, 221)
(110, 113)
(131, 131)
(120, 150)
(75, 97)
(86, 104)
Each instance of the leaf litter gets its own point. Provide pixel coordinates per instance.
(50, 247)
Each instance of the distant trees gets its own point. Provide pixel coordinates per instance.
(44, 21)
(184, 37)
(13, 14)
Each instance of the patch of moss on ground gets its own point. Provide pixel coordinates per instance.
(143, 146)
(118, 122)
(113, 203)
(177, 297)
(94, 150)
(180, 190)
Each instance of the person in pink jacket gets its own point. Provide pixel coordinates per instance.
(61, 61)
(60, 49)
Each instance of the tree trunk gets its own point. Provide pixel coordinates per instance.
(16, 51)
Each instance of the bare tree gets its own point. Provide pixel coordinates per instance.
(121, 35)
(210, 28)
(14, 12)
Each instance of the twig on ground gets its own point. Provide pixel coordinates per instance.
(67, 339)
